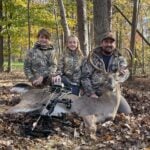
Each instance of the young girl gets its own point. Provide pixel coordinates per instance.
(40, 61)
(68, 70)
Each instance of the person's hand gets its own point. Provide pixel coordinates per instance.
(38, 81)
(94, 96)
(56, 79)
(122, 70)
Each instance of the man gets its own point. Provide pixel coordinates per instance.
(107, 58)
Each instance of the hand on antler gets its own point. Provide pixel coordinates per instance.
(123, 70)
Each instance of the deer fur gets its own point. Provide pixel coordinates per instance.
(30, 101)
(92, 110)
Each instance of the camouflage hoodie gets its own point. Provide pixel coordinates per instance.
(40, 61)
(92, 80)
(69, 66)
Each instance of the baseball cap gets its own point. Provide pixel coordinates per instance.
(108, 35)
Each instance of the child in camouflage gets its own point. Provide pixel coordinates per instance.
(68, 70)
(40, 61)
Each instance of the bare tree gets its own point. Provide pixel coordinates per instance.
(8, 17)
(143, 55)
(82, 25)
(133, 28)
(130, 23)
(1, 39)
(57, 26)
(63, 19)
(102, 18)
(29, 24)
(9, 68)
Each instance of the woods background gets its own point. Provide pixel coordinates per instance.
(20, 21)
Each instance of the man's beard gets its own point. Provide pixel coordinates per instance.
(108, 50)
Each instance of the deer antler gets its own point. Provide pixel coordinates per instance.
(92, 63)
(129, 52)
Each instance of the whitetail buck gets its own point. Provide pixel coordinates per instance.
(92, 110)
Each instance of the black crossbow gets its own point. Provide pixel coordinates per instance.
(45, 115)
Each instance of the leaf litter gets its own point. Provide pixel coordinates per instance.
(125, 132)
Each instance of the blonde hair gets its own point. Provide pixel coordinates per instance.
(78, 44)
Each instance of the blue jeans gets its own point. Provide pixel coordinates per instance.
(75, 89)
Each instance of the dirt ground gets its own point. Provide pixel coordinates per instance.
(126, 132)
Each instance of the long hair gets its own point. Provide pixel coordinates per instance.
(79, 51)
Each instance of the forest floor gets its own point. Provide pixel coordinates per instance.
(126, 132)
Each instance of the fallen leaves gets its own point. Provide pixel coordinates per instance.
(125, 132)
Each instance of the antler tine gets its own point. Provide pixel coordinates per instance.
(129, 51)
(97, 68)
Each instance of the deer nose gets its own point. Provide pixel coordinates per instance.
(110, 87)
(110, 81)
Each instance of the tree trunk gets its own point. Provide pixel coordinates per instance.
(134, 25)
(102, 18)
(9, 54)
(120, 37)
(57, 29)
(82, 26)
(140, 34)
(63, 19)
(9, 45)
(29, 24)
(90, 35)
(133, 30)
(143, 56)
(109, 6)
(1, 39)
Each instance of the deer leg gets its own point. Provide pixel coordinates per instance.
(124, 106)
(90, 124)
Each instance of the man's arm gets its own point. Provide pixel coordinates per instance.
(86, 72)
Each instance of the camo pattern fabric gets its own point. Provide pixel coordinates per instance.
(40, 61)
(92, 79)
(69, 66)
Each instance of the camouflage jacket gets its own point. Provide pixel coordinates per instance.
(92, 80)
(70, 66)
(40, 61)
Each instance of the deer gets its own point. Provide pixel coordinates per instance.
(92, 110)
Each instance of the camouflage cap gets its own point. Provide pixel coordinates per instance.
(108, 35)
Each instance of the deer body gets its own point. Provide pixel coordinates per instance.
(104, 107)
(31, 101)
(92, 110)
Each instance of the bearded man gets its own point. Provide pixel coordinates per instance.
(107, 59)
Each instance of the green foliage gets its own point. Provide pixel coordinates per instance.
(15, 66)
(15, 22)
(120, 25)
